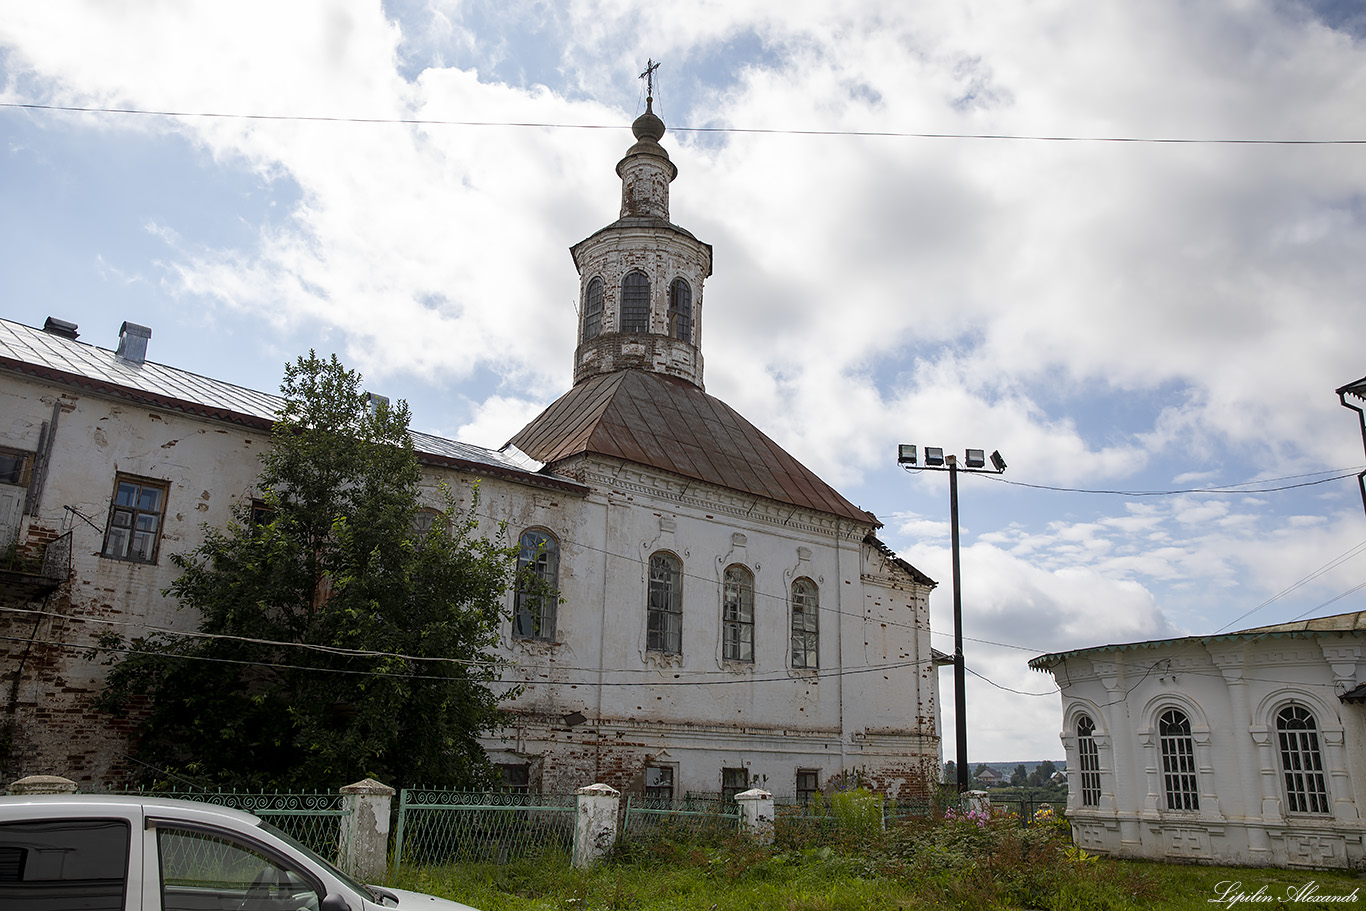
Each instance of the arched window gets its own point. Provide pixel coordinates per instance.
(737, 614)
(805, 633)
(425, 519)
(538, 570)
(1301, 762)
(635, 302)
(680, 310)
(592, 310)
(1178, 761)
(664, 610)
(1088, 758)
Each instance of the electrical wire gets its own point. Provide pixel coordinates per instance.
(1242, 487)
(550, 125)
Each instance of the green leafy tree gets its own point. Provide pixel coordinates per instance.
(338, 641)
(950, 772)
(1020, 776)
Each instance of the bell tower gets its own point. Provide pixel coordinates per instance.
(641, 277)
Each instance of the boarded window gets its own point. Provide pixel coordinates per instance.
(635, 303)
(1306, 790)
(664, 620)
(134, 528)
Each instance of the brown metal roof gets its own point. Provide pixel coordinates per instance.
(671, 425)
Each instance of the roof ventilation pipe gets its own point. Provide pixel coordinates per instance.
(133, 342)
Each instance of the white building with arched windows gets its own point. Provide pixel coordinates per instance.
(1237, 748)
(711, 614)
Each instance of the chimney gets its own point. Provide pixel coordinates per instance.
(61, 327)
(133, 342)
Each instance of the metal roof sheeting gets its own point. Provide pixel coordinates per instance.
(1354, 623)
(99, 371)
(669, 424)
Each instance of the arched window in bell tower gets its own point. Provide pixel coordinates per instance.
(680, 310)
(592, 310)
(635, 302)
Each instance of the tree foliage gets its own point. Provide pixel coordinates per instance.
(338, 641)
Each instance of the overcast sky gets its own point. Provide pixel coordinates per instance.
(1139, 317)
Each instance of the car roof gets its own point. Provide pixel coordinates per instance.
(63, 805)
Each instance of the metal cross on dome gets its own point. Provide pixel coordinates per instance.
(649, 77)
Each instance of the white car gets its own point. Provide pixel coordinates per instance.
(65, 852)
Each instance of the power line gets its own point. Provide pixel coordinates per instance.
(550, 125)
(1239, 488)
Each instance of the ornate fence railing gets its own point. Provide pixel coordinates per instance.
(312, 818)
(436, 827)
(687, 818)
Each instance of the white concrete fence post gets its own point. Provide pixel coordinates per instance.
(43, 784)
(365, 829)
(756, 814)
(977, 801)
(596, 828)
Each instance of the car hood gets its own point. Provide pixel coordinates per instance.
(416, 901)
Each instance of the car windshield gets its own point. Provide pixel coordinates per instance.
(360, 890)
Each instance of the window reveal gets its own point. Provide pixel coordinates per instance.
(680, 310)
(664, 610)
(1306, 790)
(135, 520)
(805, 632)
(737, 614)
(1088, 758)
(592, 310)
(1178, 761)
(538, 568)
(635, 303)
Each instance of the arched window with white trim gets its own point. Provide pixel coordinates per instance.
(538, 570)
(664, 608)
(1306, 789)
(737, 614)
(1179, 782)
(1088, 761)
(805, 628)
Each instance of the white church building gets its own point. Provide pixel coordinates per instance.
(725, 618)
(1237, 748)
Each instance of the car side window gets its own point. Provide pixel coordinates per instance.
(61, 864)
(205, 872)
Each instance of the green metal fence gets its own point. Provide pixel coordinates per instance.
(436, 827)
(313, 818)
(690, 818)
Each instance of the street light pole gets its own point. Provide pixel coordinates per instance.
(960, 685)
(936, 460)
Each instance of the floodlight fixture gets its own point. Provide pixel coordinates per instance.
(934, 455)
(905, 454)
(977, 458)
(997, 462)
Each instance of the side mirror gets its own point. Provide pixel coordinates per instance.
(334, 902)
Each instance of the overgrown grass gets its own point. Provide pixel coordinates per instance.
(956, 863)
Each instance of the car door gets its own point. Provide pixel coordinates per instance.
(203, 868)
(55, 862)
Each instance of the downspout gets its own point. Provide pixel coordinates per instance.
(1361, 416)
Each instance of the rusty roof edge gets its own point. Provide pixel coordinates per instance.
(228, 415)
(874, 541)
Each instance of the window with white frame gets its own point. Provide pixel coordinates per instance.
(1178, 761)
(135, 516)
(592, 310)
(805, 633)
(680, 310)
(737, 614)
(664, 607)
(1306, 789)
(538, 569)
(1088, 762)
(635, 302)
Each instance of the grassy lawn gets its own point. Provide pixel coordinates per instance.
(961, 864)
